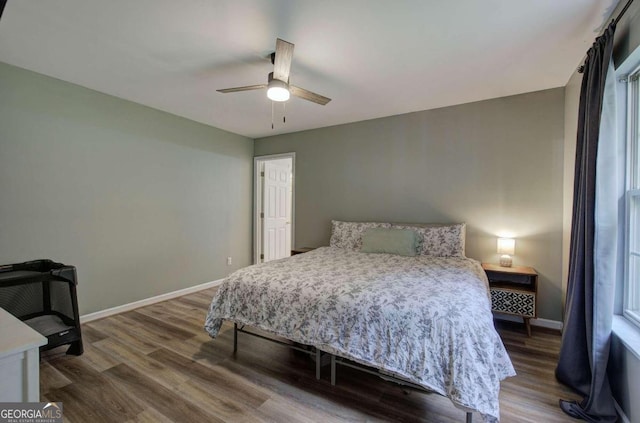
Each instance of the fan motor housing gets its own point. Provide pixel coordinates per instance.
(271, 78)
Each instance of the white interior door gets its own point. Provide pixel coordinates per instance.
(276, 223)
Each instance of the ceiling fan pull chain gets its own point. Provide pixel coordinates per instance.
(284, 112)
(272, 115)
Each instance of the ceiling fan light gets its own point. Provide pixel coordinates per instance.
(278, 90)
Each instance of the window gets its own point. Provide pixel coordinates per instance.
(632, 309)
(632, 248)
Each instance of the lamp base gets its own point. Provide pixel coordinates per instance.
(505, 260)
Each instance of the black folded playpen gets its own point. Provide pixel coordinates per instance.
(42, 293)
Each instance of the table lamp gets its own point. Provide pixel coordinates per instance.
(506, 247)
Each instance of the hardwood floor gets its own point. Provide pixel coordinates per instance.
(156, 364)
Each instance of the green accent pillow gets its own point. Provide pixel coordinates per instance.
(403, 242)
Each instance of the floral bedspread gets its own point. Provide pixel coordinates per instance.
(424, 319)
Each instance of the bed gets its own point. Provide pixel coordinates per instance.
(422, 319)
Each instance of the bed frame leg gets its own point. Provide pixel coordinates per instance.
(235, 337)
(469, 417)
(318, 357)
(333, 370)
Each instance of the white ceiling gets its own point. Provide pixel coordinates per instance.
(373, 58)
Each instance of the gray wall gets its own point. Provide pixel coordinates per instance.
(624, 374)
(496, 164)
(141, 201)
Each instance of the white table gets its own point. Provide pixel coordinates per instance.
(19, 360)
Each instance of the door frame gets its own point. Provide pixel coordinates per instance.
(257, 199)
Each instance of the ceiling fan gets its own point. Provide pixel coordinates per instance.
(278, 87)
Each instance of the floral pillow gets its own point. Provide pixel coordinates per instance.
(348, 235)
(440, 241)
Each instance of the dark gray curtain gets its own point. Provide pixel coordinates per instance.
(3, 3)
(584, 353)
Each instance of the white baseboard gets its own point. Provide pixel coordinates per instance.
(623, 416)
(543, 323)
(147, 301)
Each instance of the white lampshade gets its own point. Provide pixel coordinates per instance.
(278, 90)
(506, 246)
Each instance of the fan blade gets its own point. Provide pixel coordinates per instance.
(247, 88)
(282, 62)
(308, 95)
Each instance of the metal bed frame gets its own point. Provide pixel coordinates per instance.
(313, 351)
(335, 360)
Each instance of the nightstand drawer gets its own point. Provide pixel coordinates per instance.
(513, 302)
(498, 277)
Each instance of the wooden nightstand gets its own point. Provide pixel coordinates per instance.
(295, 251)
(514, 291)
